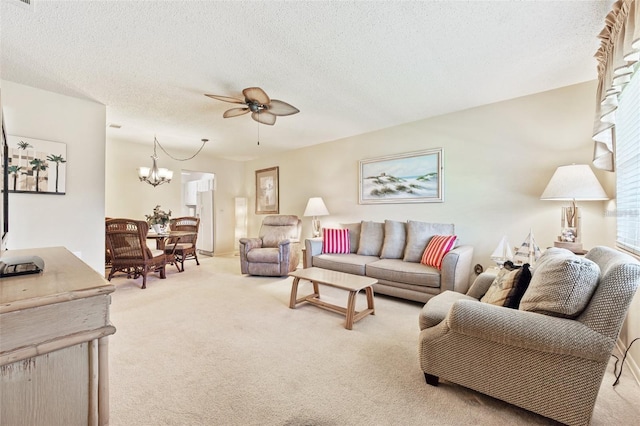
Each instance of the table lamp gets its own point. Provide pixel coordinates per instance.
(315, 208)
(575, 182)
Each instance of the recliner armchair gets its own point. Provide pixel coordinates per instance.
(276, 251)
(546, 364)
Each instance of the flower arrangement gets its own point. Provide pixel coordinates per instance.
(158, 217)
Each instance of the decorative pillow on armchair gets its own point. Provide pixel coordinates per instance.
(561, 284)
(503, 283)
(522, 283)
(508, 287)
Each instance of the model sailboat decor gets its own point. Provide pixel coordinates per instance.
(502, 253)
(528, 252)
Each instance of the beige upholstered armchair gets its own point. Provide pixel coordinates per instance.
(276, 251)
(551, 364)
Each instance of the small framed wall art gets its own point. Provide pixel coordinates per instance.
(267, 201)
(413, 177)
(37, 166)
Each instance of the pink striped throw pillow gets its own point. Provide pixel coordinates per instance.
(438, 246)
(335, 241)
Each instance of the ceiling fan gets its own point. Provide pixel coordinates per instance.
(263, 110)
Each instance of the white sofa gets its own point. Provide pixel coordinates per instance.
(391, 251)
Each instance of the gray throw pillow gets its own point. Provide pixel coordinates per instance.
(395, 237)
(561, 284)
(419, 234)
(354, 234)
(371, 238)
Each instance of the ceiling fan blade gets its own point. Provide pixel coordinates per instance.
(226, 99)
(277, 107)
(264, 117)
(256, 94)
(234, 112)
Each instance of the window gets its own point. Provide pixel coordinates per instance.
(628, 167)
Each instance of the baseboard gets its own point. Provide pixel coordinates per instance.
(629, 362)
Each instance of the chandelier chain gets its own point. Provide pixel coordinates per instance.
(204, 141)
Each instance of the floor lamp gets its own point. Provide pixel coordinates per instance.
(240, 230)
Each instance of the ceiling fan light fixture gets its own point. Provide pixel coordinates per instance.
(263, 109)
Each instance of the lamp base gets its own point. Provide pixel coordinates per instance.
(316, 227)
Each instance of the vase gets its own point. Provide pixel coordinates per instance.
(158, 228)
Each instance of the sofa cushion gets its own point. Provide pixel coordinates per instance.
(349, 263)
(561, 284)
(419, 234)
(395, 236)
(354, 234)
(371, 238)
(335, 241)
(396, 270)
(438, 246)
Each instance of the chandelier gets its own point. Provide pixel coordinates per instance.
(155, 175)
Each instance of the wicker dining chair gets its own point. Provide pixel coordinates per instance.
(179, 249)
(127, 244)
(107, 254)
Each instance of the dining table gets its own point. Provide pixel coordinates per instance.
(161, 238)
(173, 236)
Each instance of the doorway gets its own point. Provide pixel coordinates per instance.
(198, 198)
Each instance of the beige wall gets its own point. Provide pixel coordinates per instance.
(498, 159)
(74, 220)
(127, 197)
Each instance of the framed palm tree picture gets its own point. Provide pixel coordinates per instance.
(36, 166)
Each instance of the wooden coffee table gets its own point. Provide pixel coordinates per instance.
(352, 283)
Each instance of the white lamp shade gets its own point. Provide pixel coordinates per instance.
(316, 207)
(143, 172)
(163, 173)
(574, 182)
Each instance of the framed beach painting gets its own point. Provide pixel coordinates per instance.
(413, 177)
(267, 201)
(37, 166)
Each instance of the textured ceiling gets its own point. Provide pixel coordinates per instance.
(350, 67)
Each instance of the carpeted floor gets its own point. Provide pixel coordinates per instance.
(212, 347)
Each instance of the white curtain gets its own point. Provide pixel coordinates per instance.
(617, 57)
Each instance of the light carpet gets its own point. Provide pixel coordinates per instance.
(210, 346)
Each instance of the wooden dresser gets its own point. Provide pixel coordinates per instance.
(54, 329)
